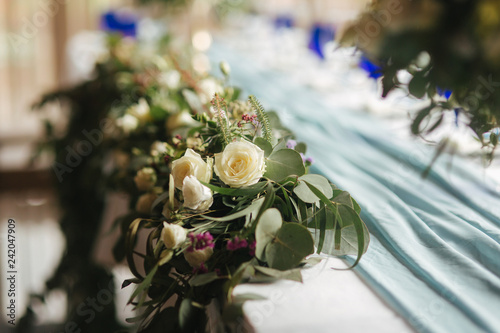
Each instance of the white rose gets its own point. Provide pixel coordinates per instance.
(197, 257)
(145, 202)
(191, 164)
(197, 196)
(127, 123)
(158, 148)
(140, 111)
(173, 235)
(170, 79)
(145, 179)
(240, 164)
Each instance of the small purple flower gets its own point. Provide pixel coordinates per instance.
(291, 144)
(200, 241)
(252, 248)
(236, 243)
(303, 157)
(306, 160)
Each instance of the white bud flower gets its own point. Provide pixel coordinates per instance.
(197, 257)
(197, 196)
(145, 203)
(173, 235)
(145, 179)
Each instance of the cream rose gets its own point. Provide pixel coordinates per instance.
(197, 196)
(173, 235)
(145, 202)
(140, 111)
(240, 164)
(127, 123)
(191, 164)
(197, 257)
(145, 179)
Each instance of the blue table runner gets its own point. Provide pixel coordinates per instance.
(435, 249)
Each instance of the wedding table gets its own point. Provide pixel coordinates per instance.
(433, 256)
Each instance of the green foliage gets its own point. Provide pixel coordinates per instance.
(446, 45)
(284, 163)
(263, 118)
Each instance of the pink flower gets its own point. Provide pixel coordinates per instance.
(200, 241)
(252, 248)
(236, 244)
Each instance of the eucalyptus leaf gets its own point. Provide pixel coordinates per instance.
(301, 147)
(320, 182)
(264, 145)
(202, 279)
(252, 209)
(348, 242)
(250, 191)
(351, 217)
(241, 298)
(291, 274)
(267, 227)
(342, 197)
(284, 163)
(291, 245)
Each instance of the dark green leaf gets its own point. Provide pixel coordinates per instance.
(202, 279)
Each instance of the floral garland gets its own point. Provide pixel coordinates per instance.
(219, 189)
(223, 198)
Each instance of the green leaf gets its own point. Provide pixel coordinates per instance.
(292, 274)
(158, 113)
(165, 257)
(301, 147)
(202, 279)
(189, 315)
(145, 284)
(350, 216)
(252, 209)
(292, 243)
(422, 114)
(342, 197)
(247, 191)
(348, 244)
(493, 139)
(284, 163)
(267, 227)
(321, 217)
(264, 145)
(418, 85)
(241, 298)
(320, 182)
(356, 206)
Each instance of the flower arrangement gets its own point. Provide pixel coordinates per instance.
(451, 49)
(227, 202)
(219, 190)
